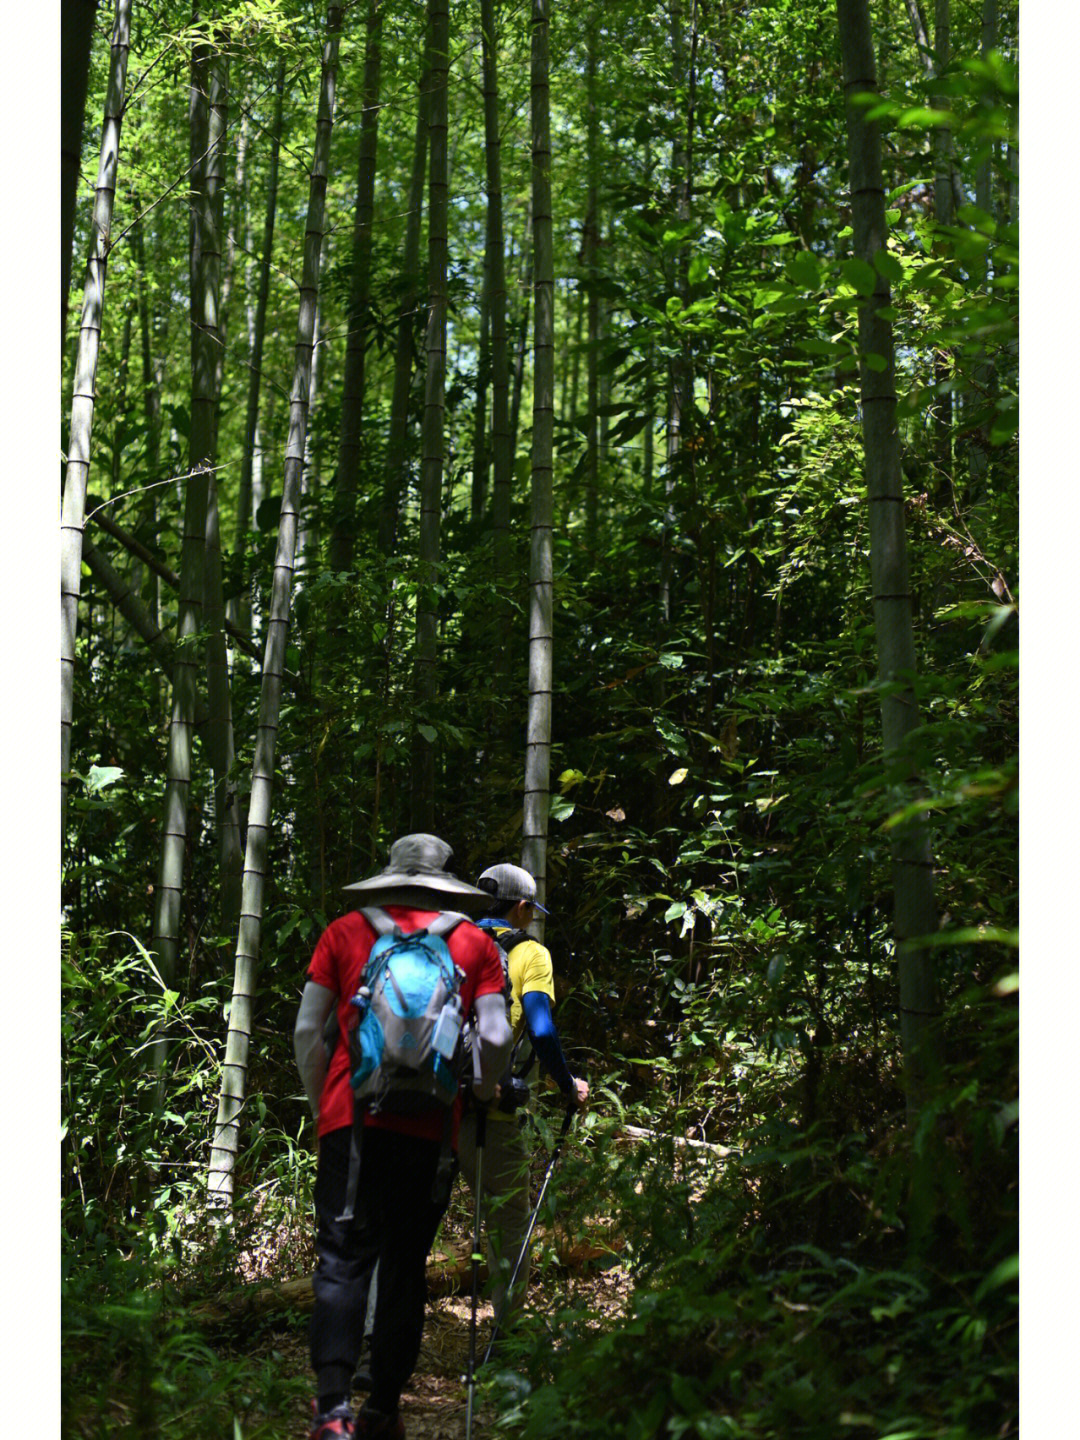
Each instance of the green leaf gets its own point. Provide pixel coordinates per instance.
(102, 776)
(674, 911)
(907, 187)
(877, 363)
(923, 118)
(561, 808)
(805, 270)
(889, 266)
(1003, 1273)
(428, 732)
(699, 269)
(966, 935)
(822, 347)
(859, 275)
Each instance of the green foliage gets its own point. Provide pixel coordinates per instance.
(719, 856)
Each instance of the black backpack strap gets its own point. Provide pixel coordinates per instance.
(509, 939)
(355, 1146)
(447, 1166)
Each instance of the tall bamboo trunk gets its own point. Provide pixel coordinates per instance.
(501, 453)
(397, 440)
(481, 461)
(219, 731)
(82, 404)
(234, 1068)
(537, 797)
(433, 438)
(204, 279)
(120, 425)
(978, 460)
(945, 173)
(914, 909)
(343, 533)
(76, 38)
(591, 249)
(151, 386)
(944, 215)
(680, 373)
(988, 39)
(236, 217)
(574, 367)
(526, 290)
(240, 611)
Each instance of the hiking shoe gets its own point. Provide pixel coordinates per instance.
(336, 1424)
(375, 1425)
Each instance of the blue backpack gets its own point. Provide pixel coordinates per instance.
(405, 1052)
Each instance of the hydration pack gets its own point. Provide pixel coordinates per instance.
(405, 1053)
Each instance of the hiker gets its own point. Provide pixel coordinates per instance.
(380, 1193)
(505, 1182)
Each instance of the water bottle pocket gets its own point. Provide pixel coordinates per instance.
(367, 1044)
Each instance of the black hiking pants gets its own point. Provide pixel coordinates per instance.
(395, 1220)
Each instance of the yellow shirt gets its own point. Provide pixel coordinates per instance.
(530, 969)
(529, 964)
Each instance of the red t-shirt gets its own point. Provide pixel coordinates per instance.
(338, 963)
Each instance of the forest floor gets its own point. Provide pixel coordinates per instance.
(434, 1403)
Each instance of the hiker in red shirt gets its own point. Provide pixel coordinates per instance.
(381, 1200)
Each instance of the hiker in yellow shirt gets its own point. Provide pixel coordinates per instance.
(505, 1170)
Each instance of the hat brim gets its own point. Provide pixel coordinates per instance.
(422, 892)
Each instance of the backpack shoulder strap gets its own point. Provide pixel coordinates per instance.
(447, 922)
(379, 921)
(510, 939)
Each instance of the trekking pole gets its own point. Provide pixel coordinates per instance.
(470, 1378)
(570, 1109)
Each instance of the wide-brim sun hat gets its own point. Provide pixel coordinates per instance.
(510, 882)
(416, 875)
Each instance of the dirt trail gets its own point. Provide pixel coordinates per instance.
(433, 1405)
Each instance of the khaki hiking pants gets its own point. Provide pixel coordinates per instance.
(504, 1205)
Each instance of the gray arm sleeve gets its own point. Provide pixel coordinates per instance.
(315, 1006)
(491, 1048)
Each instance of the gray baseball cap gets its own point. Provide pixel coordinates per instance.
(510, 882)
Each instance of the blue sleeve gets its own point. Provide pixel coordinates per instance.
(545, 1038)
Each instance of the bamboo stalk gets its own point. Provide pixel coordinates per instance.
(343, 530)
(432, 439)
(225, 1145)
(82, 405)
(914, 912)
(537, 796)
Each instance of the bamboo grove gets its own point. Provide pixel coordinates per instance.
(587, 433)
